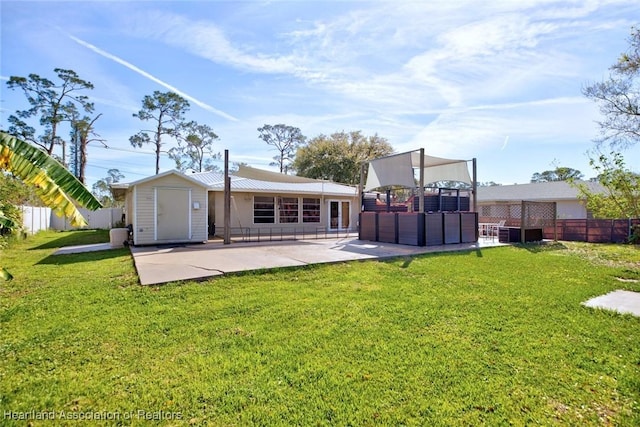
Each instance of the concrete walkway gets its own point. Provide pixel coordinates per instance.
(624, 302)
(83, 248)
(165, 264)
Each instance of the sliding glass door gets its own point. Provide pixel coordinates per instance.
(339, 214)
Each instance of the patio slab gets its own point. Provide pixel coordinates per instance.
(188, 262)
(625, 302)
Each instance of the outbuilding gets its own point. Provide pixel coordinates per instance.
(176, 207)
(170, 207)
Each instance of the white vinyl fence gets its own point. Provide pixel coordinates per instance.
(35, 219)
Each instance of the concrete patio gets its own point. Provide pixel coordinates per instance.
(187, 262)
(157, 265)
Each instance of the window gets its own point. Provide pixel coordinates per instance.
(263, 210)
(288, 209)
(310, 210)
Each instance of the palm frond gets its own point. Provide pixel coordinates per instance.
(6, 222)
(55, 185)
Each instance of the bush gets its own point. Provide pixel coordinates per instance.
(634, 236)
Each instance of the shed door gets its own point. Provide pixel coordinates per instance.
(172, 213)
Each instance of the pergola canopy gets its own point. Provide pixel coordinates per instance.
(398, 169)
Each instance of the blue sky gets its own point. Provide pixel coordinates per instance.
(496, 80)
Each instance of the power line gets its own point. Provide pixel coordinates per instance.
(163, 153)
(121, 170)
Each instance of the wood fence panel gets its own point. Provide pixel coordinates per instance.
(592, 230)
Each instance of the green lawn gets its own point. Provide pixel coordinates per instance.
(493, 337)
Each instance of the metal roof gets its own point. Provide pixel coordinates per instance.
(215, 182)
(542, 191)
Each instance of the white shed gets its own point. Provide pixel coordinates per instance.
(166, 208)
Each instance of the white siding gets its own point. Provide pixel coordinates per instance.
(571, 210)
(144, 233)
(128, 208)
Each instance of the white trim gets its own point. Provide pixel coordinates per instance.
(319, 222)
(340, 216)
(253, 210)
(134, 220)
(279, 202)
(206, 214)
(190, 210)
(162, 175)
(155, 213)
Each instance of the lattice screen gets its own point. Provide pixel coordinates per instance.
(536, 214)
(508, 212)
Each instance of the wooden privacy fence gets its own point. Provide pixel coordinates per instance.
(592, 230)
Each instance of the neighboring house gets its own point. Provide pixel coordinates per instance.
(492, 200)
(176, 207)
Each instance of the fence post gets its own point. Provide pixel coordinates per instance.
(611, 230)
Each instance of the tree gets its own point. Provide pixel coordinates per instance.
(285, 139)
(82, 133)
(558, 174)
(235, 166)
(102, 188)
(52, 103)
(450, 184)
(166, 112)
(195, 150)
(622, 196)
(339, 156)
(619, 98)
(53, 184)
(13, 193)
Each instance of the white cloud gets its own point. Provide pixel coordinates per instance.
(452, 76)
(551, 123)
(206, 40)
(151, 77)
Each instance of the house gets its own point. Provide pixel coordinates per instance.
(494, 201)
(176, 207)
